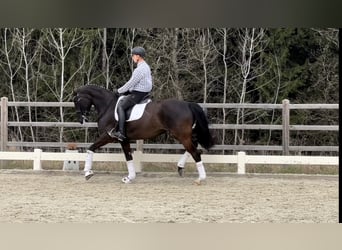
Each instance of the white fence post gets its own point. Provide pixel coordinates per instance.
(241, 162)
(37, 164)
(286, 127)
(4, 122)
(137, 157)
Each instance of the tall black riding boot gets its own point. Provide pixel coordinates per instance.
(120, 134)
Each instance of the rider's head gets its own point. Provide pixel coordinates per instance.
(138, 54)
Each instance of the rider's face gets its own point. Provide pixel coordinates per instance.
(135, 58)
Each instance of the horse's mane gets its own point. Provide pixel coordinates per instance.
(95, 86)
(92, 86)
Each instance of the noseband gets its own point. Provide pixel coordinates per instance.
(85, 118)
(79, 111)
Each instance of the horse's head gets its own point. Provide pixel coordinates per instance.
(91, 95)
(82, 105)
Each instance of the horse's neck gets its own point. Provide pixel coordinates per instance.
(103, 102)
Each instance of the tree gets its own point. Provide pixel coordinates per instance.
(60, 44)
(193, 64)
(28, 52)
(251, 44)
(11, 67)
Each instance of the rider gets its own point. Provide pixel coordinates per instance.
(138, 86)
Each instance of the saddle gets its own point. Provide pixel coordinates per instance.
(135, 112)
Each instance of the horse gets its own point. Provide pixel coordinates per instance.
(185, 121)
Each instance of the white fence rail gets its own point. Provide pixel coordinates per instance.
(241, 159)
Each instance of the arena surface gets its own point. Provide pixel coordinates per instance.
(63, 197)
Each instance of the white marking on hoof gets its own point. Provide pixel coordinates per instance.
(88, 174)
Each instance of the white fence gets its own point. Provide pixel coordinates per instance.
(241, 159)
(285, 127)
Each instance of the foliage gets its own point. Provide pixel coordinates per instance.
(193, 64)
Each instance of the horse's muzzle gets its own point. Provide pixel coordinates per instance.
(83, 119)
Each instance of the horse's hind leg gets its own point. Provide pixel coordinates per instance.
(184, 158)
(181, 163)
(191, 147)
(129, 161)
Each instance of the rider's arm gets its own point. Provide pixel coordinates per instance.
(137, 76)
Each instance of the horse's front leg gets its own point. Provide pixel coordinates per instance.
(101, 141)
(181, 163)
(129, 161)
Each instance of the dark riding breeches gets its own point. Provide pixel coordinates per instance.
(127, 102)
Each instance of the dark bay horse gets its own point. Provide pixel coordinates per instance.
(185, 121)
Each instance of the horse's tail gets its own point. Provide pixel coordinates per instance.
(201, 129)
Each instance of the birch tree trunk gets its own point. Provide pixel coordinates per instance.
(250, 39)
(108, 69)
(63, 47)
(24, 38)
(130, 40)
(62, 58)
(174, 74)
(105, 63)
(205, 52)
(278, 73)
(225, 81)
(12, 73)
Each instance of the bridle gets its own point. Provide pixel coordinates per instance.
(80, 98)
(79, 111)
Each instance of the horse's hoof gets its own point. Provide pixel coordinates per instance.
(88, 174)
(181, 171)
(199, 181)
(126, 180)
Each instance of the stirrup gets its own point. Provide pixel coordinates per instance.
(126, 180)
(88, 174)
(118, 135)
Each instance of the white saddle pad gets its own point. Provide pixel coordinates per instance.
(136, 113)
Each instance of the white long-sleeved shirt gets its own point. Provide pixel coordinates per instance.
(141, 79)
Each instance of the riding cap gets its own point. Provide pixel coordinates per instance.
(138, 51)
